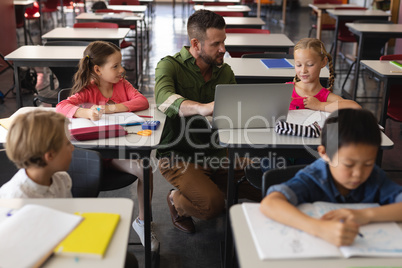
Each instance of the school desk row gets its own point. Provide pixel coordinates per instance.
(238, 141)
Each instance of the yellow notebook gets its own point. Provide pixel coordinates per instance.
(91, 238)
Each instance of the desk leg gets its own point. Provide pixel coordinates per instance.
(335, 44)
(284, 12)
(383, 117)
(147, 213)
(17, 86)
(229, 250)
(357, 67)
(319, 22)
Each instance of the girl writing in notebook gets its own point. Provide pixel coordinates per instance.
(100, 87)
(310, 57)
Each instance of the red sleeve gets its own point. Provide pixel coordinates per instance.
(130, 97)
(69, 106)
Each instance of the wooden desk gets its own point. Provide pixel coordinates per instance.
(256, 143)
(258, 42)
(382, 70)
(321, 9)
(232, 8)
(87, 34)
(351, 15)
(116, 253)
(248, 257)
(131, 146)
(369, 30)
(251, 71)
(244, 22)
(41, 56)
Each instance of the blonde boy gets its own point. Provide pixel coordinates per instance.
(38, 145)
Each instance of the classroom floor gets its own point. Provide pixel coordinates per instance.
(167, 36)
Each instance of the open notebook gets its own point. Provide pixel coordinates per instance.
(123, 119)
(274, 240)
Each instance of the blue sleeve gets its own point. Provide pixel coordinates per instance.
(389, 191)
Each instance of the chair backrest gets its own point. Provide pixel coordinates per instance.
(268, 56)
(277, 176)
(86, 173)
(230, 14)
(96, 25)
(124, 2)
(391, 57)
(7, 168)
(63, 94)
(247, 30)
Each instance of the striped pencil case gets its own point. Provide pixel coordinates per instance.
(285, 128)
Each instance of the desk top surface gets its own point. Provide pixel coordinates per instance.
(131, 8)
(330, 6)
(245, 21)
(256, 39)
(87, 33)
(130, 141)
(248, 257)
(230, 8)
(383, 68)
(101, 17)
(37, 53)
(23, 2)
(375, 27)
(250, 67)
(116, 252)
(362, 13)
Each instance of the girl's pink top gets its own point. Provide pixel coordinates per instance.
(123, 92)
(297, 101)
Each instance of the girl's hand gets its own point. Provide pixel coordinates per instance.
(96, 112)
(311, 103)
(347, 215)
(338, 233)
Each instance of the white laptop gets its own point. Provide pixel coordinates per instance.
(250, 105)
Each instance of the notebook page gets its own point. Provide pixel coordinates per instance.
(31, 233)
(274, 240)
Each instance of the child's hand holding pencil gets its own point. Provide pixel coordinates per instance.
(96, 112)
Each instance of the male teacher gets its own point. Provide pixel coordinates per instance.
(190, 158)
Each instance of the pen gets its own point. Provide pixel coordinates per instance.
(146, 116)
(396, 71)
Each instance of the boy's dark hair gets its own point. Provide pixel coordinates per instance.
(200, 21)
(349, 126)
(99, 5)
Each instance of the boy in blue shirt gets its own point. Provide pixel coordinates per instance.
(346, 173)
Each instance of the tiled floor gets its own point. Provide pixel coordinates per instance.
(168, 35)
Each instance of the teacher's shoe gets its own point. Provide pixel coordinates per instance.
(184, 224)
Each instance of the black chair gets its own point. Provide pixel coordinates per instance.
(63, 74)
(85, 172)
(268, 56)
(111, 179)
(277, 176)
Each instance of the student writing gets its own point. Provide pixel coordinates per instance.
(345, 173)
(99, 87)
(38, 145)
(310, 57)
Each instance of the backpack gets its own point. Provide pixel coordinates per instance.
(28, 78)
